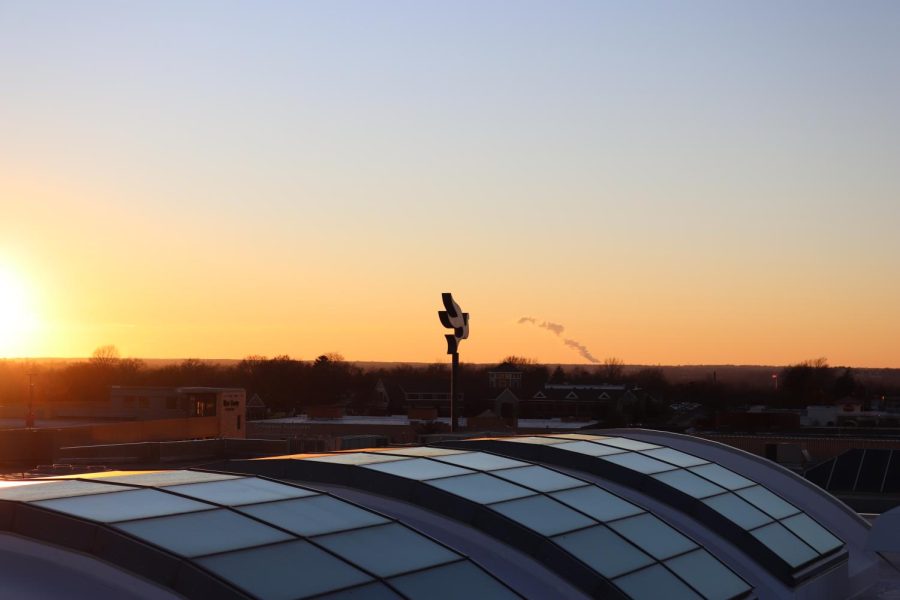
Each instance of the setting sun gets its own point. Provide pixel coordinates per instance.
(17, 318)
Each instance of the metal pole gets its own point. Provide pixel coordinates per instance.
(454, 384)
(29, 416)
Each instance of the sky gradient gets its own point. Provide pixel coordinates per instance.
(674, 183)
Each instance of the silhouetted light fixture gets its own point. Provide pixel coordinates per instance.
(453, 318)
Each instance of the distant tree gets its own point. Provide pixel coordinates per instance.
(558, 376)
(612, 370)
(105, 356)
(518, 361)
(808, 382)
(844, 385)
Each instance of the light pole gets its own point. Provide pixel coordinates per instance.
(452, 317)
(29, 415)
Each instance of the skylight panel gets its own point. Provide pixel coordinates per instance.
(628, 444)
(543, 515)
(720, 475)
(201, 533)
(123, 506)
(482, 461)
(652, 583)
(481, 488)
(166, 478)
(603, 551)
(638, 462)
(387, 550)
(597, 503)
(785, 544)
(356, 458)
(61, 488)
(419, 468)
(313, 516)
(284, 571)
(812, 533)
(422, 451)
(590, 448)
(675, 457)
(452, 582)
(767, 502)
(692, 485)
(707, 575)
(653, 536)
(738, 511)
(539, 478)
(247, 490)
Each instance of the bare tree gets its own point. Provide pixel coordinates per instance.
(106, 356)
(612, 369)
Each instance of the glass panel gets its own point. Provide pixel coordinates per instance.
(785, 544)
(481, 488)
(690, 484)
(598, 503)
(422, 451)
(675, 457)
(653, 536)
(543, 515)
(541, 441)
(247, 490)
(655, 582)
(452, 582)
(419, 469)
(767, 501)
(590, 448)
(29, 491)
(603, 551)
(356, 458)
(707, 575)
(313, 516)
(638, 462)
(539, 478)
(164, 478)
(626, 444)
(387, 549)
(200, 533)
(370, 591)
(579, 436)
(482, 461)
(123, 506)
(812, 533)
(284, 571)
(722, 476)
(737, 511)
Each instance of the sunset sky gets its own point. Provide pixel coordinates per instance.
(703, 182)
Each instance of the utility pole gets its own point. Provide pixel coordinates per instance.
(29, 415)
(452, 317)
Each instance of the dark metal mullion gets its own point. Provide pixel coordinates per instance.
(830, 473)
(886, 469)
(862, 461)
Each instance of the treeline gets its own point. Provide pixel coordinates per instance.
(288, 385)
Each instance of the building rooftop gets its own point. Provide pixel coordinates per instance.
(613, 514)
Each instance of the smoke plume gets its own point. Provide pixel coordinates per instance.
(558, 330)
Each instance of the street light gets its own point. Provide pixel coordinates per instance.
(452, 317)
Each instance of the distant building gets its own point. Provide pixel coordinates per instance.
(505, 376)
(597, 401)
